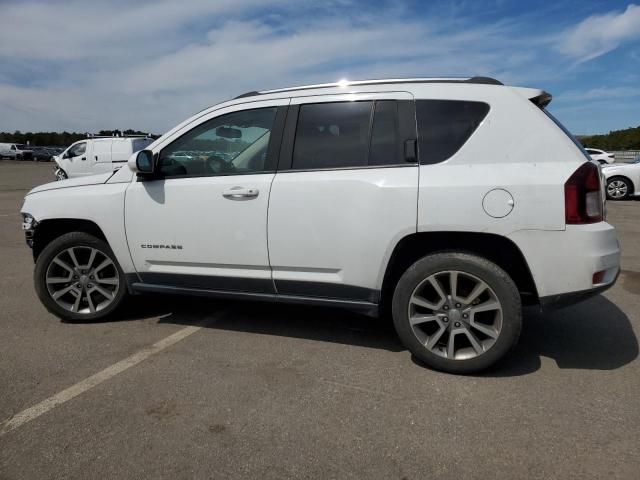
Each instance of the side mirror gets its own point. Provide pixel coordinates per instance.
(142, 162)
(66, 155)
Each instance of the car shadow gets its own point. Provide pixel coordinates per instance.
(593, 335)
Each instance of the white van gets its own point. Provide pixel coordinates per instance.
(97, 155)
(15, 151)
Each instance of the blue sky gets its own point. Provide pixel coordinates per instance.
(82, 66)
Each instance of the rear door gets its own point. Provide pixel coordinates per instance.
(345, 193)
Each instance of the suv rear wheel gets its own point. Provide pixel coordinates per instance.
(457, 312)
(78, 278)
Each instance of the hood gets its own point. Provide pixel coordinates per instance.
(73, 182)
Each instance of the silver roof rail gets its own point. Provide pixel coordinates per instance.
(383, 81)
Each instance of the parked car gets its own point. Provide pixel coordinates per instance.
(15, 151)
(601, 156)
(395, 196)
(623, 180)
(41, 154)
(97, 155)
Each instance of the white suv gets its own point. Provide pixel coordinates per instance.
(449, 203)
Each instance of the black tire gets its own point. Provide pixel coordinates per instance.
(62, 175)
(501, 285)
(627, 183)
(81, 240)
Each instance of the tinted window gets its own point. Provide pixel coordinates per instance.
(332, 135)
(445, 125)
(232, 144)
(384, 134)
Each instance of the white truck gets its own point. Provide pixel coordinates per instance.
(448, 203)
(97, 155)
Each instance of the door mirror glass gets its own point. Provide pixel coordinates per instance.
(144, 161)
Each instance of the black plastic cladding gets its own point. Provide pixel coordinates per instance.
(476, 80)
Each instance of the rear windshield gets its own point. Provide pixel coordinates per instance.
(567, 132)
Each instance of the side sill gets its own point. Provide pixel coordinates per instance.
(366, 308)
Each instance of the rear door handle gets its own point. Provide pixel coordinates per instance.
(240, 192)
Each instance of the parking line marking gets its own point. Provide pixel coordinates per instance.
(90, 382)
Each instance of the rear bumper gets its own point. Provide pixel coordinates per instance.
(554, 302)
(563, 262)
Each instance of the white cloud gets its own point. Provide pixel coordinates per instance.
(600, 34)
(150, 65)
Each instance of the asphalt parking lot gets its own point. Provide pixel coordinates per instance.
(209, 389)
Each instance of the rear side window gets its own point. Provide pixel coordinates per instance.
(332, 135)
(445, 125)
(385, 137)
(347, 134)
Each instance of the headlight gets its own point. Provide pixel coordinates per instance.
(28, 222)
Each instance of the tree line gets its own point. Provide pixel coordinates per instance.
(59, 139)
(627, 139)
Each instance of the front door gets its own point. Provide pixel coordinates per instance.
(76, 161)
(203, 223)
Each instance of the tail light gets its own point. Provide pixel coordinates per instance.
(583, 196)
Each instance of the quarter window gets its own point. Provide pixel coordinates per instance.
(445, 125)
(233, 144)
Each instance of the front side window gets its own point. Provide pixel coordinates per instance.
(444, 126)
(233, 144)
(78, 149)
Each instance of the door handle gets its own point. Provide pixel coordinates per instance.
(240, 192)
(83, 158)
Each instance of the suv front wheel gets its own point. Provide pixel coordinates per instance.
(77, 277)
(457, 312)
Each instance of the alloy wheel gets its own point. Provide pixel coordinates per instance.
(455, 315)
(82, 280)
(617, 189)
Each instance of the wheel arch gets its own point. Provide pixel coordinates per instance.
(49, 230)
(496, 248)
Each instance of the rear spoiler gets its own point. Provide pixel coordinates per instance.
(538, 97)
(542, 100)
